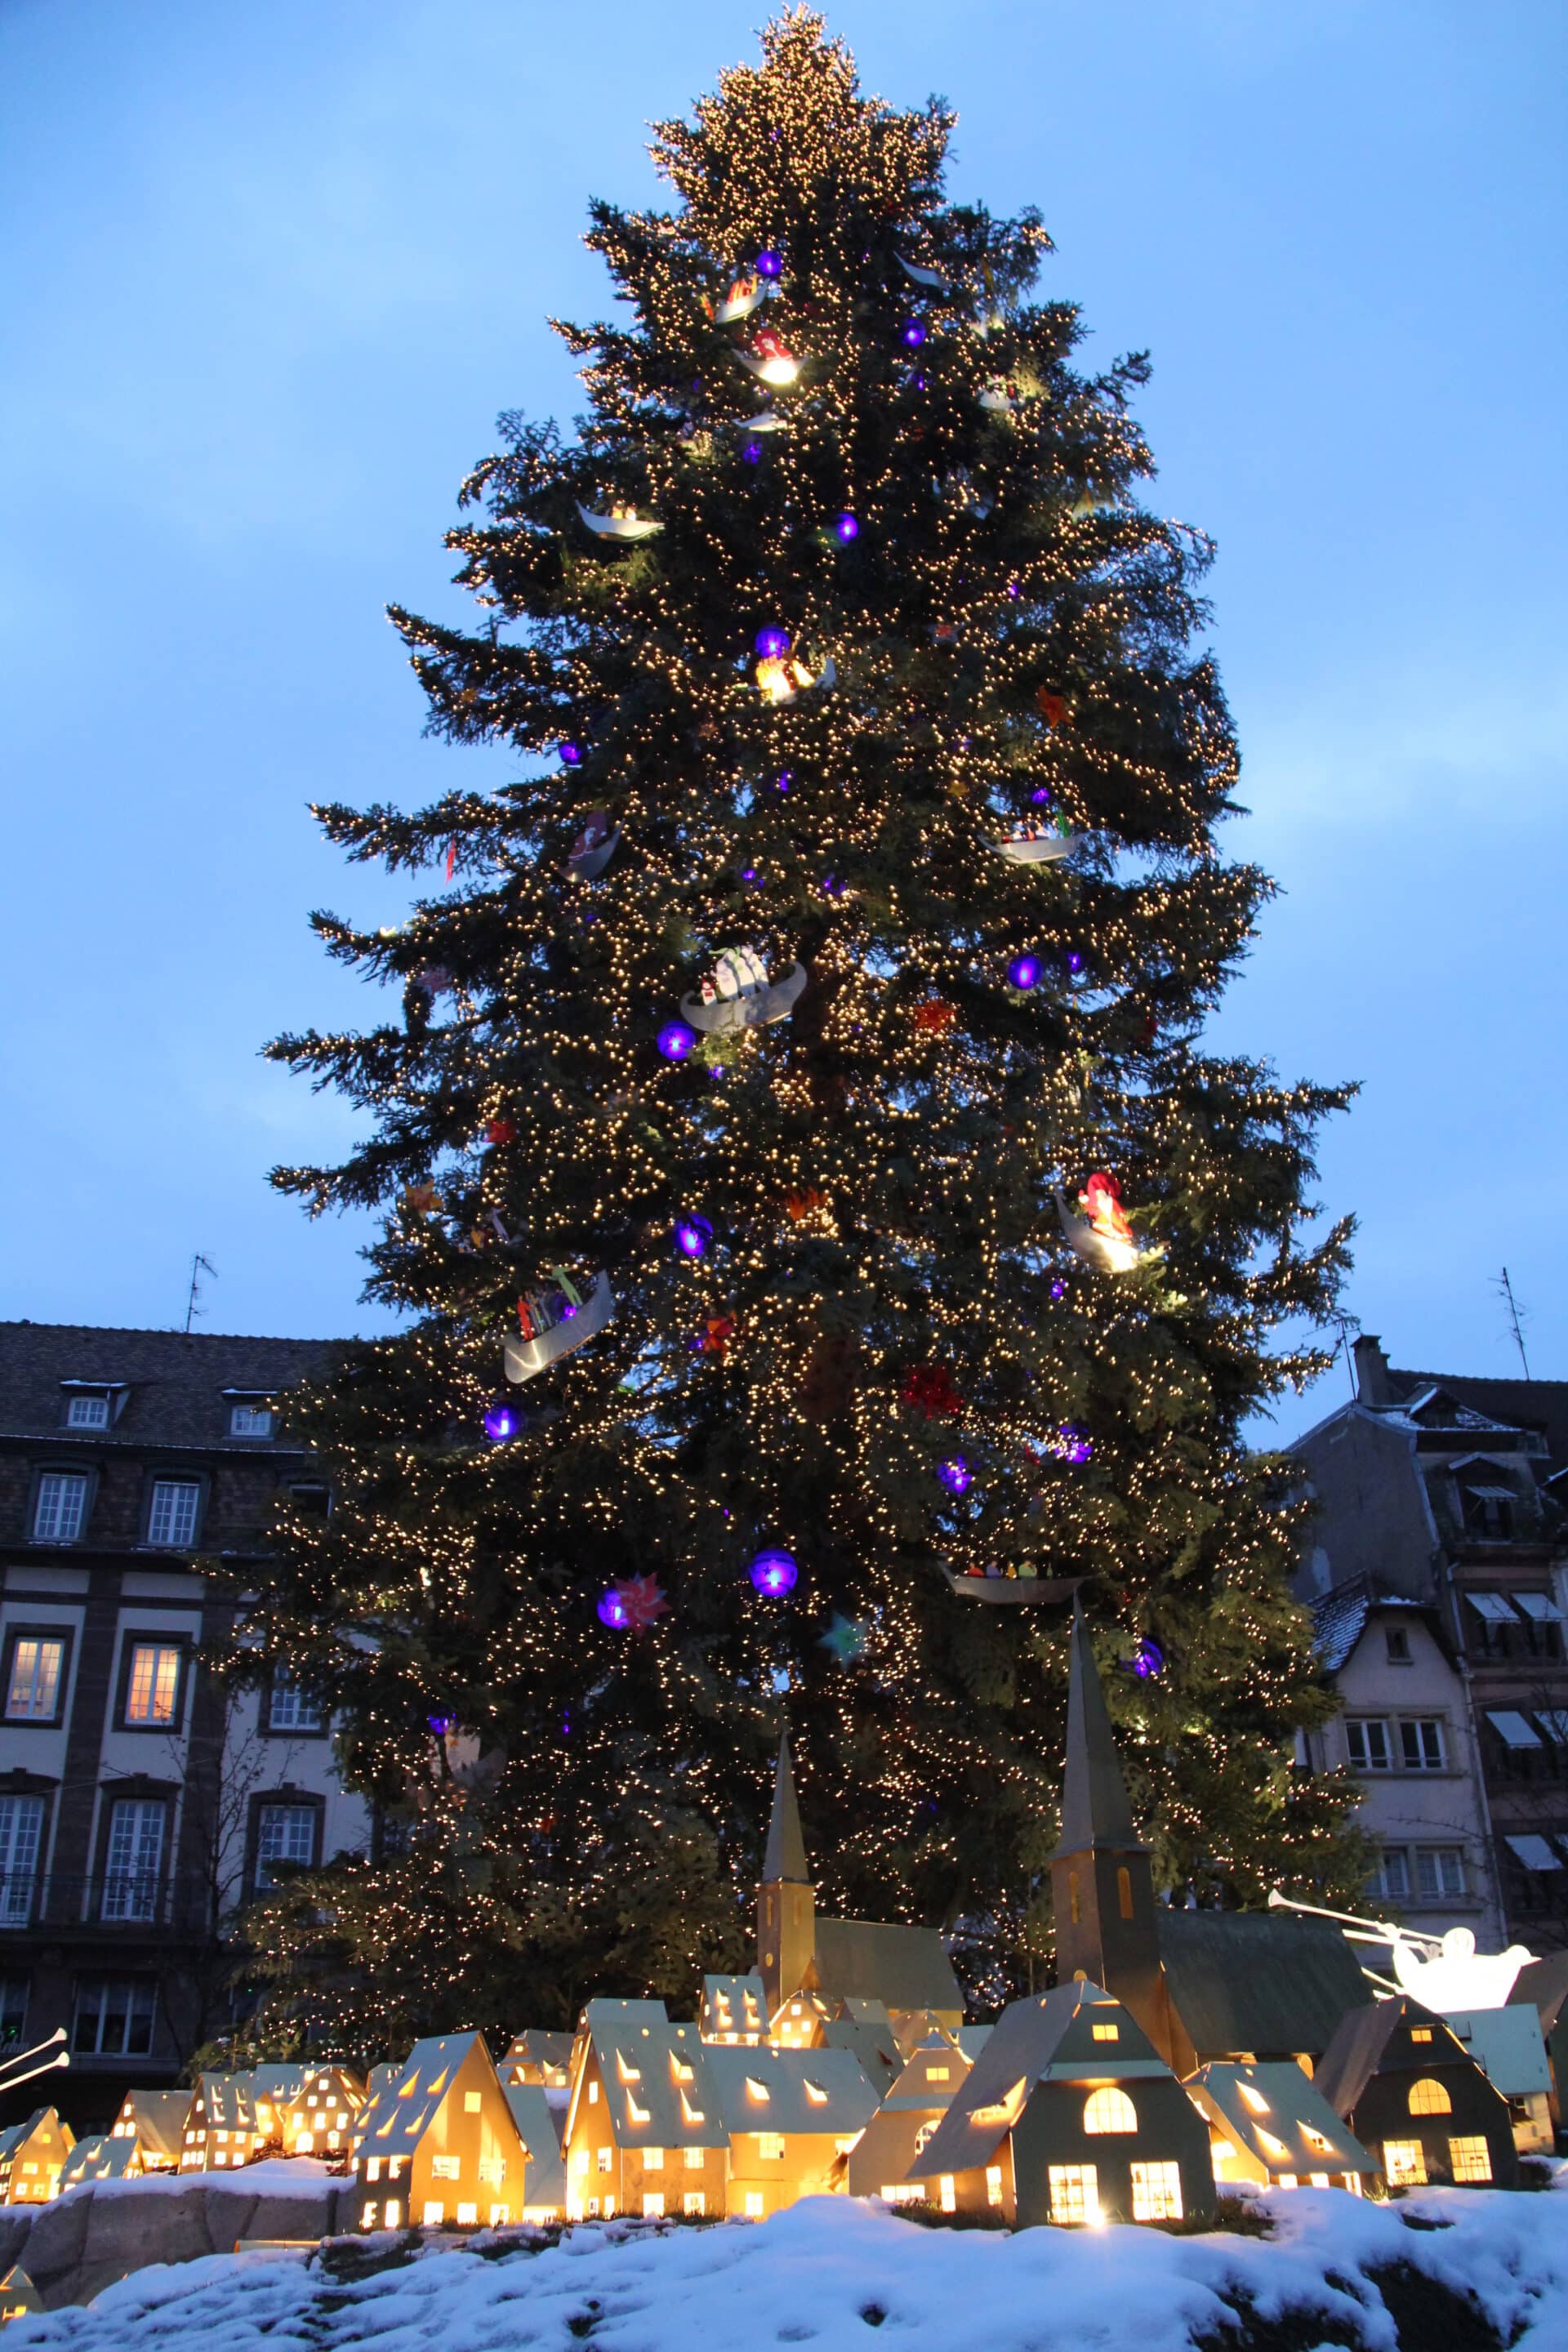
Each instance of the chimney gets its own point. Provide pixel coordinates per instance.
(1372, 1372)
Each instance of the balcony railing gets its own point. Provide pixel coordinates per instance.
(114, 1898)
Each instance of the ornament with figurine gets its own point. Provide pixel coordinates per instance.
(552, 1320)
(594, 848)
(1102, 1237)
(746, 294)
(738, 994)
(619, 522)
(1042, 841)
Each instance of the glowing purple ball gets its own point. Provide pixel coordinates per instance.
(753, 453)
(768, 264)
(441, 1723)
(1024, 970)
(772, 644)
(612, 1610)
(955, 1475)
(692, 1236)
(846, 528)
(1148, 1659)
(1074, 962)
(914, 334)
(676, 1041)
(501, 1422)
(569, 754)
(1042, 796)
(774, 1572)
(1059, 1290)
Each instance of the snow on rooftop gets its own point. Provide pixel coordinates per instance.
(824, 2269)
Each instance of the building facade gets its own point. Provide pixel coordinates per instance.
(141, 1804)
(1439, 1514)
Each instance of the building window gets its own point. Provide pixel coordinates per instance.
(152, 1685)
(311, 1500)
(36, 1684)
(434, 2213)
(87, 1413)
(653, 2159)
(606, 2158)
(250, 1420)
(1469, 2158)
(1440, 1871)
(13, 2008)
(694, 2202)
(653, 2204)
(1397, 1642)
(1075, 2193)
(993, 2184)
(135, 1857)
(693, 2158)
(61, 1507)
(1421, 1744)
(1542, 1620)
(171, 1518)
(1404, 2165)
(1391, 1879)
(445, 2168)
(284, 1833)
(113, 2016)
(21, 1834)
(1495, 1616)
(293, 1706)
(1156, 2192)
(771, 2146)
(1430, 2097)
(1110, 2111)
(1366, 1741)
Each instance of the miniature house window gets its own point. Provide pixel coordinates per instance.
(694, 2201)
(445, 2168)
(1404, 2165)
(653, 2204)
(1074, 2193)
(1100, 2033)
(936, 2074)
(1421, 2034)
(993, 2184)
(38, 1671)
(1072, 1897)
(1156, 2192)
(692, 2158)
(1110, 2111)
(173, 1514)
(1255, 2099)
(1470, 2158)
(653, 2159)
(1430, 2097)
(771, 2146)
(1124, 1893)
(61, 1508)
(754, 2204)
(606, 2158)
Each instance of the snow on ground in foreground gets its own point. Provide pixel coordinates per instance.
(814, 2272)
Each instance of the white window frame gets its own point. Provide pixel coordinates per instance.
(30, 1691)
(172, 1525)
(160, 1649)
(1364, 1725)
(21, 1840)
(1446, 1872)
(59, 1507)
(285, 1814)
(1418, 1725)
(133, 1859)
(87, 1412)
(250, 1418)
(300, 1708)
(1392, 1866)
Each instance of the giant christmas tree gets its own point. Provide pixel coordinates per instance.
(824, 997)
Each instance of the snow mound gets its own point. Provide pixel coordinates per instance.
(827, 2270)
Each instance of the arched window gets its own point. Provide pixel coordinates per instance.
(1427, 2097)
(1124, 1893)
(1110, 2111)
(1072, 1897)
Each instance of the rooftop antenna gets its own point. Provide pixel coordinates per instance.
(199, 1265)
(1517, 1316)
(1350, 1360)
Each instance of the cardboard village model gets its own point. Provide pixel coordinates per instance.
(1181, 2052)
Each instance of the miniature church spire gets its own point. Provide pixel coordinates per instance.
(785, 1855)
(1095, 1811)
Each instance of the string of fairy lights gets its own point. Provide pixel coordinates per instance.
(844, 580)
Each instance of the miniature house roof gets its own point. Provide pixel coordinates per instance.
(1375, 2041)
(278, 2084)
(544, 2183)
(1048, 2037)
(402, 2111)
(1508, 2043)
(604, 2016)
(13, 2141)
(657, 2084)
(873, 2045)
(1279, 2116)
(917, 2090)
(226, 2103)
(100, 2158)
(536, 2047)
(159, 2120)
(771, 2090)
(1259, 1981)
(735, 2005)
(1543, 1985)
(785, 1855)
(877, 1959)
(1095, 1810)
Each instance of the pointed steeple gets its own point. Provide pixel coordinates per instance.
(785, 1855)
(1095, 1811)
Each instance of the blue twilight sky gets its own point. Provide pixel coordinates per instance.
(269, 275)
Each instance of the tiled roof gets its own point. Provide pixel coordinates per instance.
(657, 2084)
(805, 2090)
(175, 1379)
(876, 1959)
(1340, 1619)
(1259, 1980)
(1518, 1404)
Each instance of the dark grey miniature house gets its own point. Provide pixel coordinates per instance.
(1543, 1984)
(1413, 2095)
(1069, 2114)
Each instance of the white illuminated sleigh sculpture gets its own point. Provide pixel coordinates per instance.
(1107, 1253)
(1032, 847)
(621, 523)
(746, 294)
(1012, 1592)
(594, 848)
(739, 994)
(574, 1325)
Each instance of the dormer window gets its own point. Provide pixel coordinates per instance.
(1489, 1513)
(249, 1416)
(87, 1413)
(92, 1405)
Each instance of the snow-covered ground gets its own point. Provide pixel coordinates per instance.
(828, 2271)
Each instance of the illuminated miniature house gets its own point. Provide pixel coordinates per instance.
(32, 2158)
(800, 2023)
(221, 2127)
(1543, 1986)
(645, 2131)
(865, 2029)
(537, 2119)
(273, 2090)
(1069, 2114)
(319, 2119)
(1407, 2087)
(18, 2295)
(841, 1960)
(793, 2118)
(536, 2056)
(1507, 2044)
(734, 2010)
(104, 2157)
(381, 2078)
(155, 2121)
(906, 2121)
(438, 2145)
(1268, 2124)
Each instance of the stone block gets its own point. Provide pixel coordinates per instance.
(156, 2226)
(58, 2237)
